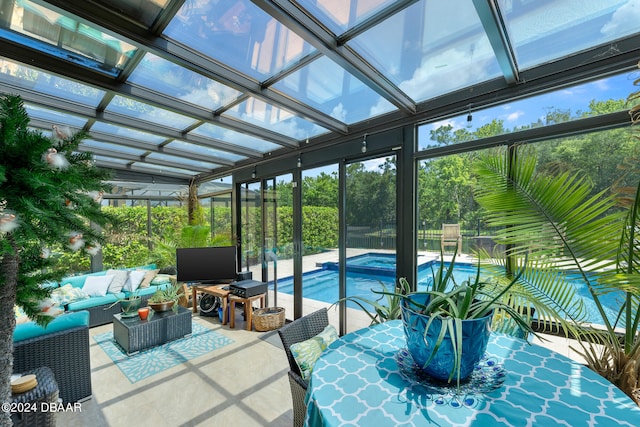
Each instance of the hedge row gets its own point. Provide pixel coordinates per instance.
(129, 243)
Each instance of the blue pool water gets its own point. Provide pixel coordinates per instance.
(365, 272)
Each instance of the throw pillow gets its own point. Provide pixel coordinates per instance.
(328, 335)
(134, 280)
(306, 353)
(66, 294)
(161, 279)
(148, 277)
(97, 286)
(119, 279)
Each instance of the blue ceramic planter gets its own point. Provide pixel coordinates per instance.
(475, 336)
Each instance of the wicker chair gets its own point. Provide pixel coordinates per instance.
(67, 353)
(300, 330)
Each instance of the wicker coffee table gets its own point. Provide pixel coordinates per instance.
(133, 334)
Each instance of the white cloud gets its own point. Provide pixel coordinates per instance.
(441, 123)
(514, 116)
(433, 78)
(339, 113)
(602, 85)
(624, 20)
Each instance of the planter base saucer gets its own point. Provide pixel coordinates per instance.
(487, 376)
(127, 315)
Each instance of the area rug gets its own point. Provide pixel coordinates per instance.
(157, 359)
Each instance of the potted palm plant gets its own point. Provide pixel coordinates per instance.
(573, 232)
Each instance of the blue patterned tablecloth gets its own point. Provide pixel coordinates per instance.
(357, 382)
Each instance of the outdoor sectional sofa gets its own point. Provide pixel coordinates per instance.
(63, 346)
(101, 308)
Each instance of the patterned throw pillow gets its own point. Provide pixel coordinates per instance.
(66, 294)
(328, 335)
(161, 279)
(306, 353)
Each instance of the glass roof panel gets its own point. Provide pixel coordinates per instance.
(426, 51)
(216, 186)
(75, 38)
(147, 189)
(238, 34)
(205, 151)
(98, 145)
(572, 103)
(341, 15)
(54, 117)
(542, 31)
(332, 90)
(187, 162)
(103, 159)
(149, 113)
(166, 77)
(126, 132)
(42, 82)
(235, 138)
(143, 11)
(151, 168)
(277, 119)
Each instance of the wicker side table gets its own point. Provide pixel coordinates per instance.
(34, 401)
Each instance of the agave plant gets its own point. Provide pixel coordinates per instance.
(386, 307)
(574, 232)
(446, 304)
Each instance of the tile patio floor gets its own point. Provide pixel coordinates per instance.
(243, 384)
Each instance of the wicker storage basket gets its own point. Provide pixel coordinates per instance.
(268, 319)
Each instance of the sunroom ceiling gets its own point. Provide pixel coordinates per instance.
(174, 90)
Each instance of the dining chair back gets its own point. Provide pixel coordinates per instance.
(451, 236)
(297, 331)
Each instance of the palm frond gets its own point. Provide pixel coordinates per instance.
(570, 228)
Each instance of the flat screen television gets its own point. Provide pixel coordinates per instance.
(216, 264)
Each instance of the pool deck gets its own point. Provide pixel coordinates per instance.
(356, 318)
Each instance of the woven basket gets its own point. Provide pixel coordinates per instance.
(268, 319)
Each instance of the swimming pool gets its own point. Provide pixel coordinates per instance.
(365, 272)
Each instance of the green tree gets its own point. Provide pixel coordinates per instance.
(371, 196)
(284, 190)
(48, 198)
(445, 190)
(321, 190)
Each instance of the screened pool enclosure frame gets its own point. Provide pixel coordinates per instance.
(193, 92)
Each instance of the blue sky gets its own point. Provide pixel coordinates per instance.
(529, 110)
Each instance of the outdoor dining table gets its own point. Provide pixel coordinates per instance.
(366, 378)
